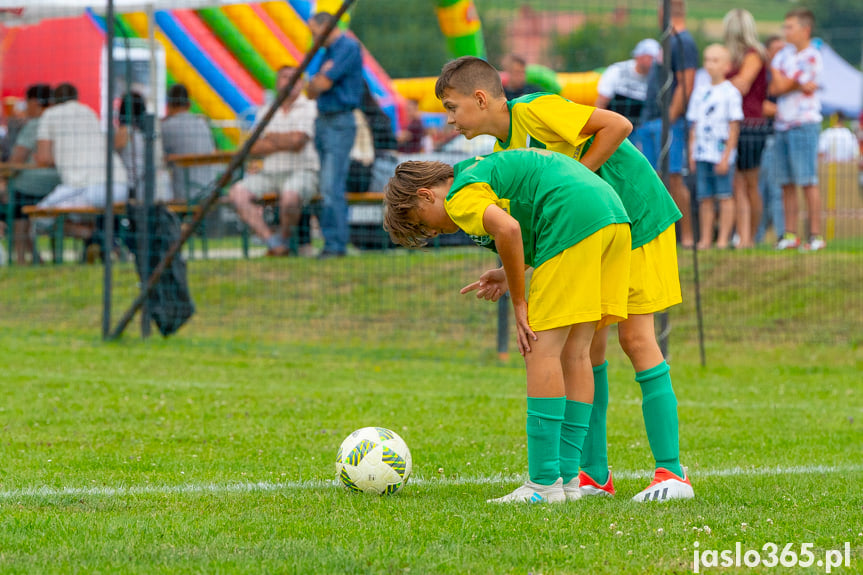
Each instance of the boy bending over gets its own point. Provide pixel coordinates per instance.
(470, 90)
(543, 210)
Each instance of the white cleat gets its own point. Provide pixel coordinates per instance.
(532, 492)
(572, 490)
(665, 486)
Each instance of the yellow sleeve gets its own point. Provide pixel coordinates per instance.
(467, 206)
(556, 118)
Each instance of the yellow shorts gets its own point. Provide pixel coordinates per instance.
(586, 282)
(654, 281)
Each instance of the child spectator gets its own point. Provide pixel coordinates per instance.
(797, 70)
(471, 92)
(540, 209)
(715, 112)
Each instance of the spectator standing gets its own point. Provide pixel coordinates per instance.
(771, 191)
(684, 62)
(515, 68)
(838, 144)
(130, 143)
(749, 75)
(622, 87)
(29, 186)
(290, 167)
(797, 71)
(715, 112)
(70, 138)
(186, 133)
(338, 88)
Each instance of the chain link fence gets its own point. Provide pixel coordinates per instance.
(193, 80)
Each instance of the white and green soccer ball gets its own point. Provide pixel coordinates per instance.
(373, 460)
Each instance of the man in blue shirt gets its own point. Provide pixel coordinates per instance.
(684, 62)
(338, 88)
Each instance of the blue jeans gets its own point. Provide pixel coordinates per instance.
(771, 193)
(796, 155)
(650, 138)
(334, 138)
(711, 185)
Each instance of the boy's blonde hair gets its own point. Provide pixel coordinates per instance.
(467, 74)
(401, 200)
(721, 49)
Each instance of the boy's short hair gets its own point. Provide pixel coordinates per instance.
(467, 74)
(178, 96)
(63, 93)
(721, 48)
(401, 200)
(804, 16)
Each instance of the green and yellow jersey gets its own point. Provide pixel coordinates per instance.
(551, 122)
(556, 201)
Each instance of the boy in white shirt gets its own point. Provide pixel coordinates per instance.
(796, 73)
(715, 111)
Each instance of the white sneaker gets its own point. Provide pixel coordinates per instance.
(665, 486)
(572, 489)
(788, 242)
(532, 492)
(816, 243)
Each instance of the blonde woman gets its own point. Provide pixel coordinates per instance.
(749, 75)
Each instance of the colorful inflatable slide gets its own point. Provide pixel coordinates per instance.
(227, 56)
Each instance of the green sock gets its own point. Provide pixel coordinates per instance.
(576, 420)
(544, 417)
(594, 456)
(659, 407)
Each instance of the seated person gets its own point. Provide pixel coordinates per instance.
(27, 187)
(290, 167)
(515, 70)
(130, 143)
(186, 133)
(70, 138)
(412, 138)
(362, 156)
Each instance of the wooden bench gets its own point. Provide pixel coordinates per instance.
(272, 200)
(180, 208)
(60, 214)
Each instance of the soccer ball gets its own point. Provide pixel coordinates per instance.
(373, 460)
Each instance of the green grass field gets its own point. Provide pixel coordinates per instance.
(213, 451)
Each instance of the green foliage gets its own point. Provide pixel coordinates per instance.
(597, 45)
(404, 37)
(839, 23)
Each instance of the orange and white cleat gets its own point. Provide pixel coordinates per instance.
(587, 487)
(665, 486)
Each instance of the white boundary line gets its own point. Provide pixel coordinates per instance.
(267, 486)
